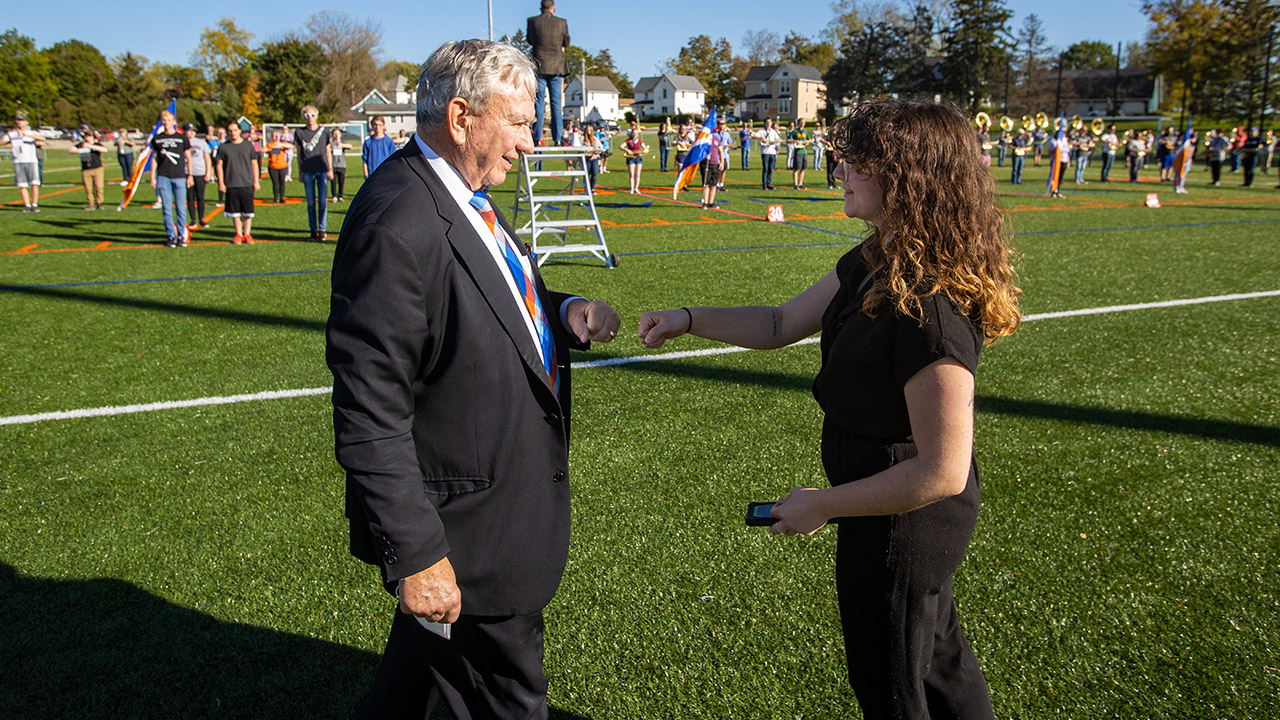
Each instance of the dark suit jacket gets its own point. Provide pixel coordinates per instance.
(453, 441)
(549, 36)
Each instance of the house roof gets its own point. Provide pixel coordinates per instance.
(764, 73)
(391, 109)
(684, 83)
(599, 83)
(374, 96)
(1131, 83)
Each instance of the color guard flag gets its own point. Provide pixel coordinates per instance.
(1055, 166)
(699, 152)
(144, 158)
(1182, 160)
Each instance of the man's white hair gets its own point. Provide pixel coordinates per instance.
(474, 70)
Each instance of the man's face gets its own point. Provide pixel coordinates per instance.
(496, 138)
(23, 124)
(234, 131)
(379, 128)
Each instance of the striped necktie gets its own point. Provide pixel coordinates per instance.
(480, 201)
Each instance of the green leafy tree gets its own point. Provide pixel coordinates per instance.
(604, 66)
(182, 81)
(711, 62)
(1200, 25)
(134, 90)
(1089, 55)
(25, 78)
(798, 48)
(976, 48)
(224, 54)
(291, 74)
(862, 72)
(1253, 27)
(79, 69)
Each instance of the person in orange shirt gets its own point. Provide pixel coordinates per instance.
(278, 165)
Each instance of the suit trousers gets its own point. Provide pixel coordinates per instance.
(491, 668)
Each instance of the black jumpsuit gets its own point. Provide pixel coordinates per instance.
(907, 656)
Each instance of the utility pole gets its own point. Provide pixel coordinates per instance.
(1007, 68)
(1266, 80)
(1115, 87)
(490, 20)
(1186, 84)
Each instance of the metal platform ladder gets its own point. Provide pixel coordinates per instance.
(541, 168)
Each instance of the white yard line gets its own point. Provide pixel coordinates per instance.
(607, 362)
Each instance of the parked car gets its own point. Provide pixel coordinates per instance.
(731, 119)
(50, 133)
(611, 126)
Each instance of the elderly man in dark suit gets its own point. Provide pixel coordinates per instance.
(548, 35)
(450, 362)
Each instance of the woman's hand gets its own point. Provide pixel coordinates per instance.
(659, 326)
(801, 512)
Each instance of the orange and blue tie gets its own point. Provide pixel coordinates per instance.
(480, 201)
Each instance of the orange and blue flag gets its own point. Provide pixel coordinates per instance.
(144, 158)
(1055, 165)
(1182, 159)
(699, 152)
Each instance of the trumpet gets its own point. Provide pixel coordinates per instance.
(983, 121)
(1006, 123)
(1097, 126)
(1042, 120)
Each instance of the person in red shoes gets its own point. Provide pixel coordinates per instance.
(238, 180)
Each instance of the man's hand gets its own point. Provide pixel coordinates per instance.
(594, 320)
(432, 594)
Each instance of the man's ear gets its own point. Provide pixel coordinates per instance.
(458, 119)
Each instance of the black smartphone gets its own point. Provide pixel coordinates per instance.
(758, 514)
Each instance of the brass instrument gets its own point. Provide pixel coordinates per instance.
(1006, 123)
(1058, 122)
(1042, 120)
(1027, 123)
(983, 121)
(1076, 123)
(1097, 126)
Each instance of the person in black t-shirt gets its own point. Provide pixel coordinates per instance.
(1249, 155)
(171, 176)
(90, 149)
(311, 147)
(903, 318)
(238, 180)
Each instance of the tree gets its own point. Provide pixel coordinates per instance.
(797, 48)
(224, 53)
(250, 100)
(25, 78)
(976, 46)
(712, 64)
(79, 69)
(761, 47)
(1089, 55)
(351, 47)
(183, 82)
(1202, 23)
(604, 66)
(861, 72)
(1032, 61)
(1254, 29)
(133, 91)
(291, 73)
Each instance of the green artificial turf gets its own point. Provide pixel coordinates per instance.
(192, 562)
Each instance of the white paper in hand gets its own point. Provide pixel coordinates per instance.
(444, 630)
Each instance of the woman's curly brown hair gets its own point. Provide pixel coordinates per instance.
(946, 233)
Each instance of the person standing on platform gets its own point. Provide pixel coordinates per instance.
(201, 175)
(90, 150)
(125, 148)
(171, 176)
(548, 38)
(315, 164)
(377, 147)
(903, 316)
(238, 179)
(451, 400)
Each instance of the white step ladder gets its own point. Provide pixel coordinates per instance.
(574, 193)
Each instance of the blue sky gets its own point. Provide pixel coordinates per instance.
(640, 39)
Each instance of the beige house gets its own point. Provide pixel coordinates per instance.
(785, 92)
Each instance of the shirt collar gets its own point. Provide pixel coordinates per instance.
(447, 173)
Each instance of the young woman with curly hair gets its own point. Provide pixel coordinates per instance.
(904, 316)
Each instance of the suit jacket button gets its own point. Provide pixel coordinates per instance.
(558, 477)
(390, 558)
(552, 419)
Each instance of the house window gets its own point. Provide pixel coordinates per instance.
(785, 86)
(664, 93)
(764, 88)
(784, 107)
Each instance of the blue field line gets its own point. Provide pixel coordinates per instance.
(643, 254)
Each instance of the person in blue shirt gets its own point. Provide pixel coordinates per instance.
(726, 142)
(377, 147)
(744, 144)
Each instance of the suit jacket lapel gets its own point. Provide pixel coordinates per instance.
(475, 258)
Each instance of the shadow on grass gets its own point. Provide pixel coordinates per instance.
(1125, 419)
(175, 308)
(104, 648)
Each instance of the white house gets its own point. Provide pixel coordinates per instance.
(402, 114)
(600, 100)
(668, 95)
